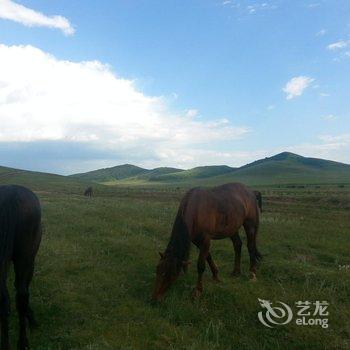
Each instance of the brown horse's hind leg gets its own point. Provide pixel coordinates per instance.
(237, 244)
(203, 254)
(24, 274)
(251, 231)
(4, 309)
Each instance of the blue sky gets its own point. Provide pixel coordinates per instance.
(172, 83)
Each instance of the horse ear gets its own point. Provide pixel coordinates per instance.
(161, 255)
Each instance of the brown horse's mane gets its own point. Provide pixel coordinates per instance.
(180, 241)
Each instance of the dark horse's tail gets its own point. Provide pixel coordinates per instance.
(8, 212)
(180, 240)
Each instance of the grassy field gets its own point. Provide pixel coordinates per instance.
(96, 268)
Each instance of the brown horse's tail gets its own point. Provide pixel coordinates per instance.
(180, 241)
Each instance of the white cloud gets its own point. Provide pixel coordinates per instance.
(341, 44)
(337, 140)
(296, 86)
(15, 12)
(46, 99)
(334, 147)
(322, 32)
(191, 113)
(324, 94)
(330, 117)
(314, 5)
(244, 7)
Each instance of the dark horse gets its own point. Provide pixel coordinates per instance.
(203, 215)
(20, 235)
(88, 192)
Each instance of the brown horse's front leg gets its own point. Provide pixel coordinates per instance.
(237, 244)
(203, 254)
(213, 268)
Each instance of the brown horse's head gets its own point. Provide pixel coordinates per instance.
(168, 270)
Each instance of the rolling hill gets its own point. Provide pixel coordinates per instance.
(287, 167)
(131, 173)
(118, 172)
(283, 168)
(40, 181)
(202, 172)
(125, 171)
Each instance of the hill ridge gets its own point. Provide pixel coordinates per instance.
(284, 167)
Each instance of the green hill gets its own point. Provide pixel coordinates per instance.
(287, 168)
(39, 181)
(154, 174)
(202, 172)
(118, 172)
(283, 168)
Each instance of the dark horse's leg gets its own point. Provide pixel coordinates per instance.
(251, 230)
(4, 308)
(24, 273)
(211, 263)
(203, 255)
(237, 244)
(213, 268)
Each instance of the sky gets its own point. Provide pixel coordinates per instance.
(91, 84)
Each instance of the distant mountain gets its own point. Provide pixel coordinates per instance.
(131, 173)
(288, 167)
(154, 174)
(283, 168)
(201, 172)
(118, 172)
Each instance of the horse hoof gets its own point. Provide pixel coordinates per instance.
(253, 278)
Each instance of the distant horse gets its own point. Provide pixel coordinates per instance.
(88, 192)
(258, 197)
(20, 236)
(203, 215)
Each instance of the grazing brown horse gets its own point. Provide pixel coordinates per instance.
(88, 192)
(20, 236)
(203, 215)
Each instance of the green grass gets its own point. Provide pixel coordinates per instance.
(95, 272)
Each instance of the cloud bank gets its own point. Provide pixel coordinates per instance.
(15, 12)
(43, 99)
